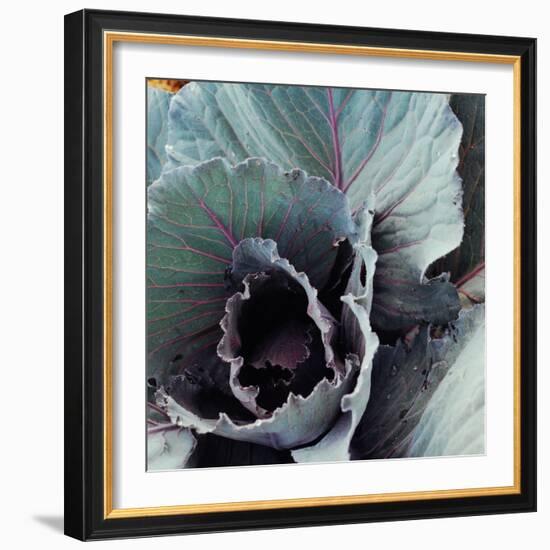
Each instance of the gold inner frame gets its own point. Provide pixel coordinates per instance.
(109, 39)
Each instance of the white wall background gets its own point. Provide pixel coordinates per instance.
(31, 277)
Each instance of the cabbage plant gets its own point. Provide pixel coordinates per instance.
(313, 290)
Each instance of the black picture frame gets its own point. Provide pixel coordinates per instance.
(85, 517)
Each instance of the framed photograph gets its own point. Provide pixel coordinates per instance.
(300, 274)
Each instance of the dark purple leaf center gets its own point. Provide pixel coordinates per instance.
(281, 346)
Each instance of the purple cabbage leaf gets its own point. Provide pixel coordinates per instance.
(399, 147)
(425, 390)
(240, 343)
(158, 103)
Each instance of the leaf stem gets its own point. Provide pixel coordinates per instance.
(465, 278)
(158, 409)
(333, 119)
(163, 428)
